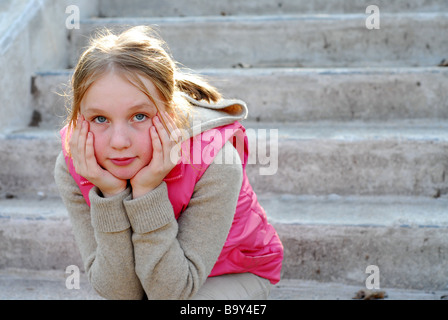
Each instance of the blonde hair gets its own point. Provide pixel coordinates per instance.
(138, 51)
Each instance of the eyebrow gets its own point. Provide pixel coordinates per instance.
(142, 105)
(138, 106)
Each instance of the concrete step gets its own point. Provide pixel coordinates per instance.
(295, 94)
(32, 35)
(174, 8)
(18, 284)
(390, 158)
(28, 157)
(326, 239)
(339, 40)
(334, 239)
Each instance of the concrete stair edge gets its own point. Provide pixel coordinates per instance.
(286, 208)
(19, 284)
(325, 238)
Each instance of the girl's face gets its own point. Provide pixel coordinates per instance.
(119, 117)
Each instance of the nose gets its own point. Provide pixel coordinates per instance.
(120, 137)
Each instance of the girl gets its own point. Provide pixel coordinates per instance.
(151, 218)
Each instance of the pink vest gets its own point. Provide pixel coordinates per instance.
(252, 244)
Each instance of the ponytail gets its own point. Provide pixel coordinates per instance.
(196, 87)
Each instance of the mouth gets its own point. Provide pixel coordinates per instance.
(122, 161)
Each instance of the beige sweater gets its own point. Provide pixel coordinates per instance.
(136, 247)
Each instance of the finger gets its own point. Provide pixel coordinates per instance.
(156, 143)
(169, 143)
(81, 147)
(165, 154)
(174, 131)
(74, 140)
(158, 154)
(162, 132)
(90, 153)
(175, 153)
(74, 134)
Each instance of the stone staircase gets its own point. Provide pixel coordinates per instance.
(361, 118)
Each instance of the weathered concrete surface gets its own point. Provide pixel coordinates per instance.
(367, 125)
(292, 95)
(309, 41)
(33, 36)
(406, 257)
(17, 284)
(173, 8)
(408, 243)
(367, 211)
(319, 158)
(23, 284)
(28, 162)
(357, 159)
(338, 94)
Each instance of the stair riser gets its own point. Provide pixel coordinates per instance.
(406, 257)
(315, 41)
(320, 166)
(37, 244)
(173, 8)
(337, 95)
(368, 167)
(299, 95)
(28, 165)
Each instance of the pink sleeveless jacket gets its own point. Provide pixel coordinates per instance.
(252, 244)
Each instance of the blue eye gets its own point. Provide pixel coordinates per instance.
(100, 119)
(139, 117)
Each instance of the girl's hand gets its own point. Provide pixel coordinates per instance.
(84, 161)
(166, 154)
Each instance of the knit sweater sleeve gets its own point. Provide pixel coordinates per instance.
(174, 258)
(136, 246)
(103, 236)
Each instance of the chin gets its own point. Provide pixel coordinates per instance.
(127, 176)
(124, 174)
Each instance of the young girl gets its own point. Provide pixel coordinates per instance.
(152, 172)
